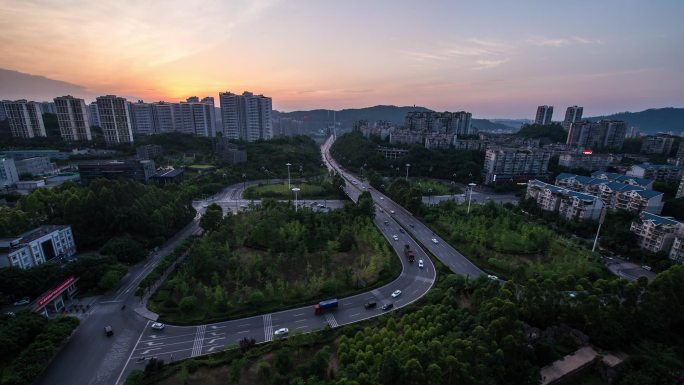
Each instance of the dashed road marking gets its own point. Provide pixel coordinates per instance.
(199, 341)
(268, 327)
(331, 320)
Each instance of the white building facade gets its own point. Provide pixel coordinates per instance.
(247, 116)
(115, 119)
(73, 119)
(25, 119)
(37, 246)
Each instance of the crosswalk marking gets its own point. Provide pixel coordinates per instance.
(331, 320)
(199, 341)
(268, 327)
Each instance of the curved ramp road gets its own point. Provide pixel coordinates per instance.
(421, 233)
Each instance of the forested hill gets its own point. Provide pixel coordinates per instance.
(394, 114)
(653, 120)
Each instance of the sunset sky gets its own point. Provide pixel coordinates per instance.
(492, 58)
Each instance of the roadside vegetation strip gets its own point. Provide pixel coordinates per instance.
(151, 279)
(30, 342)
(280, 191)
(272, 259)
(500, 240)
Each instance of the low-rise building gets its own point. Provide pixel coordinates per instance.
(680, 190)
(169, 176)
(37, 246)
(660, 172)
(138, 170)
(149, 151)
(392, 153)
(8, 172)
(615, 194)
(571, 205)
(23, 154)
(229, 152)
(655, 233)
(505, 164)
(677, 251)
(37, 166)
(585, 161)
(626, 179)
(30, 185)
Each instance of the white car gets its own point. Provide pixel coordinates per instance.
(23, 301)
(382, 199)
(396, 293)
(392, 211)
(205, 205)
(395, 237)
(281, 332)
(492, 277)
(158, 326)
(435, 241)
(420, 263)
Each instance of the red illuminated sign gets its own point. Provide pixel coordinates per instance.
(587, 152)
(56, 291)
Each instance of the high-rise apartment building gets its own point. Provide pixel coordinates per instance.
(48, 108)
(115, 119)
(247, 116)
(544, 114)
(25, 119)
(572, 114)
(657, 144)
(457, 123)
(142, 118)
(3, 114)
(93, 116)
(195, 117)
(72, 117)
(163, 117)
(601, 134)
(503, 164)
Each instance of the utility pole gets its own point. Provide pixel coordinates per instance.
(407, 168)
(288, 175)
(470, 195)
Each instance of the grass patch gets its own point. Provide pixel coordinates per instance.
(281, 191)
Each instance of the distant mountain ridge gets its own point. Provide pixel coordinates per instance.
(651, 121)
(394, 114)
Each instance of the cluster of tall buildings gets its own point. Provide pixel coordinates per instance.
(434, 129)
(245, 117)
(545, 114)
(583, 133)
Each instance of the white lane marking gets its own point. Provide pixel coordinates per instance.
(268, 327)
(199, 341)
(300, 320)
(331, 320)
(154, 343)
(302, 327)
(131, 355)
(243, 325)
(355, 314)
(297, 315)
(148, 351)
(211, 341)
(244, 331)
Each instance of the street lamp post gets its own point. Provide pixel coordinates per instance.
(429, 196)
(601, 219)
(288, 175)
(407, 167)
(470, 194)
(296, 190)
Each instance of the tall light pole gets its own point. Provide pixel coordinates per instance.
(288, 175)
(296, 190)
(470, 195)
(407, 167)
(601, 219)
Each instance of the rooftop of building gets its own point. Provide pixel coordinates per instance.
(111, 162)
(657, 219)
(29, 236)
(614, 184)
(647, 165)
(168, 173)
(563, 190)
(622, 178)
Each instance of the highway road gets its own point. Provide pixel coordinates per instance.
(447, 255)
(92, 358)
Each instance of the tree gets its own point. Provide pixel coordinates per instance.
(365, 204)
(110, 279)
(125, 249)
(264, 371)
(212, 217)
(188, 304)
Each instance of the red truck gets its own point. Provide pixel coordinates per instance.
(409, 253)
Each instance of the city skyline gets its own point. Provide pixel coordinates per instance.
(608, 57)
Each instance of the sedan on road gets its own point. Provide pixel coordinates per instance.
(435, 241)
(387, 306)
(370, 305)
(391, 211)
(420, 263)
(492, 277)
(158, 326)
(281, 332)
(396, 293)
(395, 237)
(382, 199)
